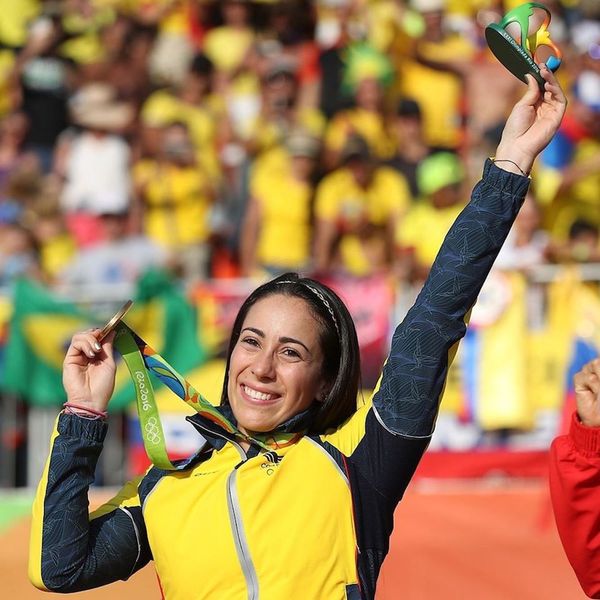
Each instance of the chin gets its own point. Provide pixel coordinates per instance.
(256, 426)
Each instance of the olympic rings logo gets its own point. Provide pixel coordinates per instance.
(152, 431)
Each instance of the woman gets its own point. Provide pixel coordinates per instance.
(311, 517)
(575, 480)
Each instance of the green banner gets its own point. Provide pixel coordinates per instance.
(42, 325)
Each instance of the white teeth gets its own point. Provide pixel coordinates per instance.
(256, 395)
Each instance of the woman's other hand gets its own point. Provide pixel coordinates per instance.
(587, 393)
(533, 121)
(89, 370)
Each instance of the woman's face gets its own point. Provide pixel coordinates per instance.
(276, 366)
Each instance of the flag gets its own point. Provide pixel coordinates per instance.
(40, 330)
(163, 317)
(42, 325)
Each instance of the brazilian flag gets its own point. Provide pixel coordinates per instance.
(42, 325)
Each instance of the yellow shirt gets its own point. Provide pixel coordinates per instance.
(581, 201)
(85, 46)
(438, 93)
(176, 203)
(16, 17)
(340, 199)
(361, 122)
(163, 107)
(56, 253)
(266, 133)
(7, 63)
(227, 47)
(284, 233)
(424, 228)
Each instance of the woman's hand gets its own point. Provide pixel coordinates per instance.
(587, 393)
(533, 121)
(89, 370)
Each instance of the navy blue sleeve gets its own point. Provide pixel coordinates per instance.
(408, 397)
(77, 552)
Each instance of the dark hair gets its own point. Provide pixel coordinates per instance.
(582, 227)
(407, 107)
(201, 65)
(339, 343)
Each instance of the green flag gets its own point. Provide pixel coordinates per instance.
(42, 325)
(40, 329)
(161, 313)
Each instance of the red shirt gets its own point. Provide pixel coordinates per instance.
(575, 492)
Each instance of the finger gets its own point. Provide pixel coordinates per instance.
(593, 383)
(551, 84)
(581, 382)
(594, 366)
(587, 381)
(532, 94)
(84, 343)
(107, 343)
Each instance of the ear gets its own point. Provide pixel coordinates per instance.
(323, 392)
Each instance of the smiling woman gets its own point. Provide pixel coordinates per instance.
(297, 334)
(298, 500)
(276, 367)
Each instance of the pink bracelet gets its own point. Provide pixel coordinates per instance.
(100, 414)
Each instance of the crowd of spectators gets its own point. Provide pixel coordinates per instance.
(247, 138)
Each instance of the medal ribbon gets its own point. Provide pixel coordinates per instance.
(141, 360)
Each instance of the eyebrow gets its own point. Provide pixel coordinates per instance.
(283, 340)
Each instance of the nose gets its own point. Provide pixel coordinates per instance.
(263, 366)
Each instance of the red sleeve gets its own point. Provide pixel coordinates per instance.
(575, 492)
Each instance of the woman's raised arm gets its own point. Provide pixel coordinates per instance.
(423, 345)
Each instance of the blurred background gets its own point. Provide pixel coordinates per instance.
(181, 152)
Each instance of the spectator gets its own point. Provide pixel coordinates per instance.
(440, 177)
(228, 45)
(13, 156)
(95, 161)
(411, 145)
(582, 244)
(120, 259)
(357, 208)
(367, 75)
(570, 169)
(276, 235)
(190, 102)
(175, 196)
(56, 245)
(43, 79)
(527, 244)
(125, 65)
(173, 46)
(18, 253)
(429, 74)
(280, 111)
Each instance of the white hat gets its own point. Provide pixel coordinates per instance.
(95, 106)
(427, 5)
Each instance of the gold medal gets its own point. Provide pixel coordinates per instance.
(112, 323)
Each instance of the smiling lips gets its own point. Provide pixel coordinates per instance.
(256, 396)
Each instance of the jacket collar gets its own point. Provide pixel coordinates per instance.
(217, 437)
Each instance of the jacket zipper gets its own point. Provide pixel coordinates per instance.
(235, 519)
(239, 536)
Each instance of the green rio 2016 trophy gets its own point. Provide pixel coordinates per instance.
(519, 56)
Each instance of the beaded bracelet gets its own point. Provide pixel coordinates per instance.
(91, 413)
(512, 162)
